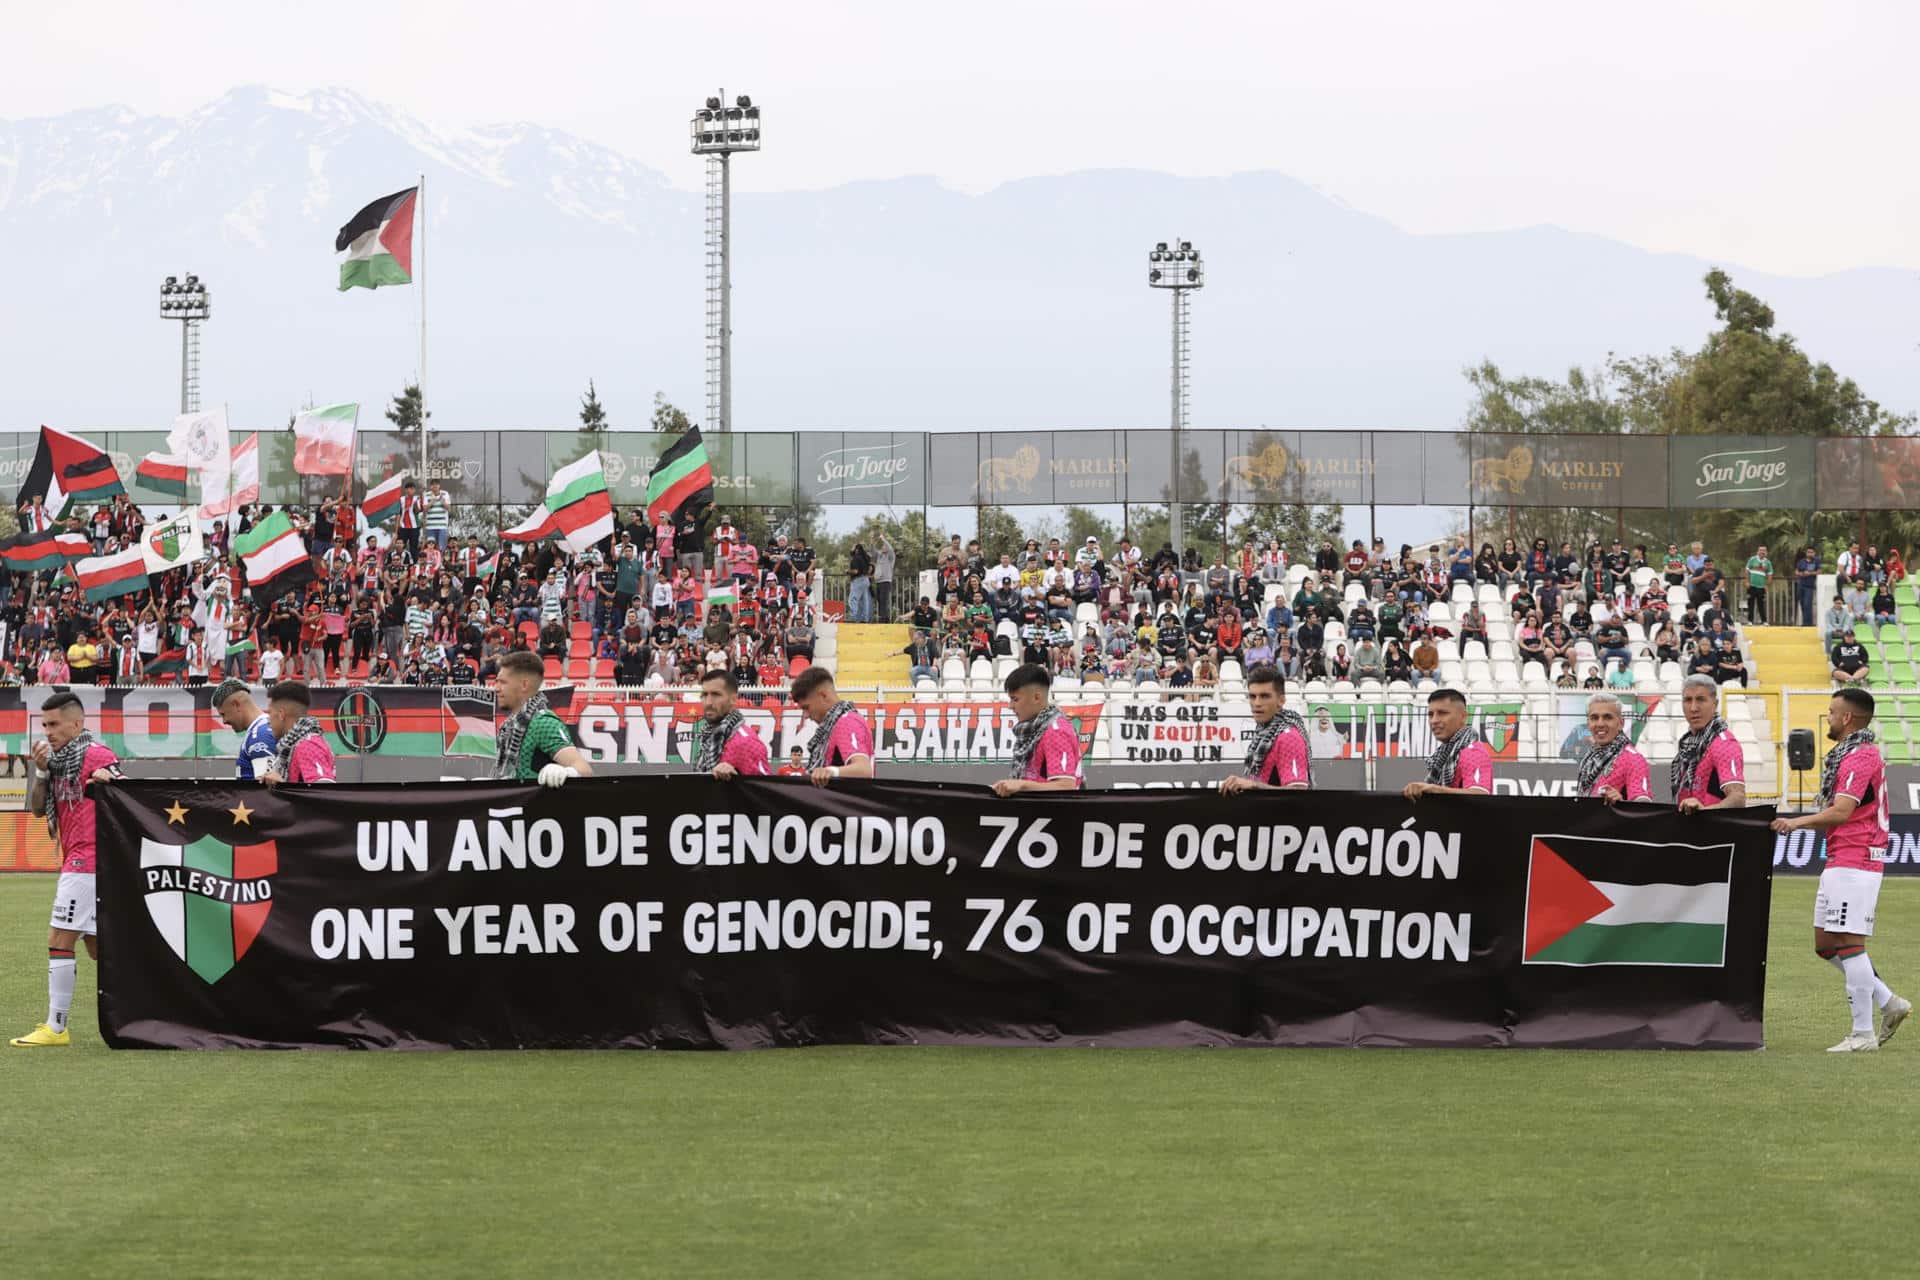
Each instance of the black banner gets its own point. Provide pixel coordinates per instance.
(687, 913)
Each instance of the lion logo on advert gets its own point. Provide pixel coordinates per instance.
(1504, 475)
(1264, 470)
(1001, 475)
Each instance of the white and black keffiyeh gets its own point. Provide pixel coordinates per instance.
(1446, 756)
(1691, 749)
(715, 740)
(1026, 739)
(303, 728)
(823, 735)
(1830, 767)
(63, 776)
(1594, 764)
(513, 733)
(1265, 735)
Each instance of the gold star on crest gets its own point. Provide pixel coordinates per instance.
(176, 812)
(241, 813)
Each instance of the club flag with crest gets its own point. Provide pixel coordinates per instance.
(323, 439)
(164, 474)
(275, 558)
(682, 478)
(378, 242)
(203, 441)
(172, 543)
(382, 502)
(1593, 901)
(66, 470)
(104, 577)
(242, 481)
(209, 899)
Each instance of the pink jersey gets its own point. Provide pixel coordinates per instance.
(1721, 765)
(1861, 841)
(312, 760)
(1057, 755)
(1628, 776)
(73, 810)
(1473, 771)
(853, 736)
(1286, 762)
(746, 753)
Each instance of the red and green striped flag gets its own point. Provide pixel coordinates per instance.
(168, 662)
(164, 474)
(103, 577)
(66, 469)
(578, 509)
(33, 552)
(276, 559)
(681, 478)
(382, 502)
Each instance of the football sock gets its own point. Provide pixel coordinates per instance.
(1858, 971)
(60, 967)
(1881, 991)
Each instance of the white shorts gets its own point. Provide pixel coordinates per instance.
(73, 902)
(1846, 899)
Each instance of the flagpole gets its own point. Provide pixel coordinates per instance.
(420, 203)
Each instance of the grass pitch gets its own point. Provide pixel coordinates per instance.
(911, 1162)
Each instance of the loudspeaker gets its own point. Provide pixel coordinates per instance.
(1800, 749)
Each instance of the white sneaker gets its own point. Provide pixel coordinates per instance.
(1857, 1042)
(1898, 1007)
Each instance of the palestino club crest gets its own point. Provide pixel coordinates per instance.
(209, 899)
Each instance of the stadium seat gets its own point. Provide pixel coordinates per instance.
(1439, 611)
(1677, 597)
(1641, 577)
(1085, 615)
(1230, 670)
(1533, 675)
(1354, 592)
(1003, 667)
(553, 668)
(1336, 633)
(952, 669)
(980, 670)
(1502, 651)
(1487, 594)
(1506, 675)
(1473, 651)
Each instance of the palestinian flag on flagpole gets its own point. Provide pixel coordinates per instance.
(378, 242)
(722, 593)
(1595, 901)
(382, 502)
(681, 477)
(246, 645)
(489, 566)
(33, 552)
(243, 481)
(168, 662)
(164, 474)
(67, 469)
(103, 577)
(323, 440)
(276, 559)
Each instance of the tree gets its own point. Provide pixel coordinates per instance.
(1298, 527)
(593, 417)
(667, 419)
(404, 412)
(1083, 523)
(998, 530)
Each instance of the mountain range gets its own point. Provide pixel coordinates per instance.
(898, 304)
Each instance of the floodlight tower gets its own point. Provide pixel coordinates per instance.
(718, 132)
(1179, 270)
(188, 302)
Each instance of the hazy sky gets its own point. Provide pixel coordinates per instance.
(1773, 135)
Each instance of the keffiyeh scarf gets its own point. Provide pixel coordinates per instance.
(1265, 735)
(63, 774)
(1830, 767)
(1026, 739)
(513, 733)
(1440, 765)
(1688, 754)
(715, 740)
(303, 728)
(1594, 765)
(823, 735)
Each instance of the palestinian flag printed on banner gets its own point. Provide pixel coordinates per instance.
(209, 899)
(1594, 901)
(382, 502)
(164, 474)
(275, 558)
(67, 469)
(681, 478)
(467, 721)
(104, 577)
(378, 242)
(34, 552)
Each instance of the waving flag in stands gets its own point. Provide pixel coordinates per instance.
(275, 558)
(382, 502)
(378, 242)
(243, 481)
(164, 473)
(67, 469)
(172, 543)
(682, 478)
(103, 577)
(32, 552)
(323, 440)
(578, 509)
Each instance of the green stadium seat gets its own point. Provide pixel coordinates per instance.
(1895, 651)
(1899, 673)
(1872, 646)
(1900, 753)
(1907, 615)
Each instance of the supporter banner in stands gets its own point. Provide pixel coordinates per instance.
(1773, 473)
(687, 913)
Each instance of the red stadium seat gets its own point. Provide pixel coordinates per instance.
(553, 668)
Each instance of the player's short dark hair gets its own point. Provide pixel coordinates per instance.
(1447, 695)
(291, 691)
(525, 662)
(1266, 673)
(228, 687)
(724, 676)
(62, 700)
(809, 681)
(1026, 675)
(1859, 699)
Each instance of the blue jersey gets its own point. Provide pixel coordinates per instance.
(257, 750)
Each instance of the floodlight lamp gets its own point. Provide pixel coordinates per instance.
(743, 101)
(1192, 274)
(1153, 277)
(753, 113)
(713, 103)
(1162, 246)
(1186, 244)
(753, 135)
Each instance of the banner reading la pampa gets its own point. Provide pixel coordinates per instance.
(683, 912)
